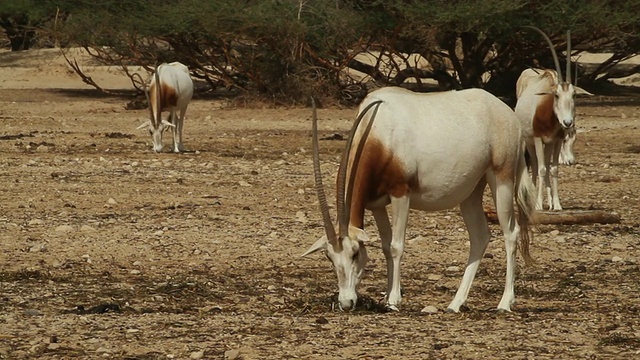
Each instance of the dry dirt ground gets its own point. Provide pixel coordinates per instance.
(108, 250)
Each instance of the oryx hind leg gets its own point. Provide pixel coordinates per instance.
(479, 235)
(179, 127)
(502, 189)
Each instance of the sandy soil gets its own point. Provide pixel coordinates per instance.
(108, 250)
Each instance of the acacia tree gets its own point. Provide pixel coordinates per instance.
(289, 49)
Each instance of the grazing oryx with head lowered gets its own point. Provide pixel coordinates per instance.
(427, 152)
(171, 88)
(546, 110)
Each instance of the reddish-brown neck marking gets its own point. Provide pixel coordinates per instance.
(169, 96)
(379, 173)
(545, 121)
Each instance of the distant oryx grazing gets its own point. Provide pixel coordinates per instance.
(546, 110)
(173, 94)
(427, 152)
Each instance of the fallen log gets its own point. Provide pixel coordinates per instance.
(568, 217)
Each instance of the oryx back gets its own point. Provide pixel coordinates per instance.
(435, 147)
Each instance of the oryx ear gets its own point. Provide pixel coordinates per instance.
(581, 91)
(321, 244)
(357, 234)
(145, 124)
(166, 123)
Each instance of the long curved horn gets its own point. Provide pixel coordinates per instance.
(158, 94)
(553, 50)
(322, 198)
(356, 160)
(146, 94)
(145, 88)
(344, 203)
(569, 56)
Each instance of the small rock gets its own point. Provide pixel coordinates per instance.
(42, 148)
(322, 320)
(434, 277)
(232, 354)
(244, 183)
(112, 201)
(554, 232)
(415, 239)
(618, 246)
(197, 355)
(616, 259)
(53, 346)
(38, 248)
(301, 217)
(271, 287)
(158, 233)
(429, 310)
(135, 272)
(453, 269)
(87, 228)
(64, 229)
(33, 312)
(36, 222)
(102, 350)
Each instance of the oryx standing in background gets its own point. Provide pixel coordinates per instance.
(546, 110)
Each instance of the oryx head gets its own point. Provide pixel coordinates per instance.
(155, 125)
(564, 92)
(345, 249)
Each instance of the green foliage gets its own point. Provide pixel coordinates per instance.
(288, 49)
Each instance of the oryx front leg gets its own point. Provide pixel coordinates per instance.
(384, 228)
(554, 199)
(479, 235)
(542, 178)
(549, 154)
(400, 211)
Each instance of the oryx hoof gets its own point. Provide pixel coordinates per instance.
(391, 308)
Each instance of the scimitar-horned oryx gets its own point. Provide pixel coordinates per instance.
(427, 152)
(546, 110)
(171, 89)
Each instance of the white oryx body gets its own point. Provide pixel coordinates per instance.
(428, 152)
(546, 110)
(173, 94)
